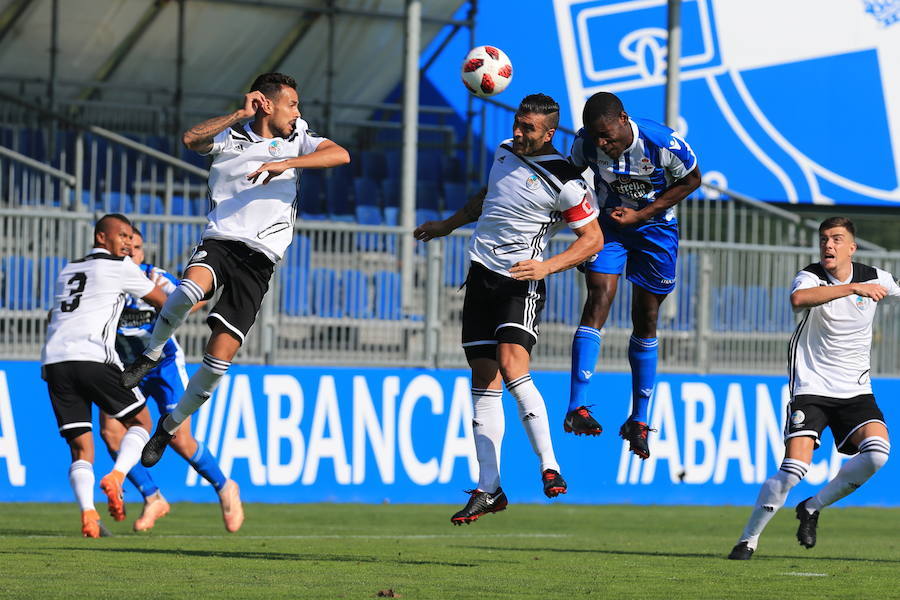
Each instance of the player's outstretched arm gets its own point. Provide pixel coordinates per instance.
(678, 191)
(469, 213)
(815, 296)
(328, 154)
(588, 243)
(199, 138)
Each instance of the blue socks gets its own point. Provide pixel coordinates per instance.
(642, 354)
(585, 352)
(139, 476)
(205, 464)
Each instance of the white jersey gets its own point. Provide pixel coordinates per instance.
(88, 300)
(829, 351)
(260, 216)
(528, 200)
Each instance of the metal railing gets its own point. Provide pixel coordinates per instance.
(335, 299)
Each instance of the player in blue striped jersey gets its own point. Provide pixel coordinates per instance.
(164, 384)
(642, 169)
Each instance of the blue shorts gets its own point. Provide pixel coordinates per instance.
(166, 383)
(647, 254)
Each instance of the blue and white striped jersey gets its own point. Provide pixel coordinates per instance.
(657, 157)
(138, 317)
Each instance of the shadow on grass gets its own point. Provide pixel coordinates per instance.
(721, 555)
(255, 555)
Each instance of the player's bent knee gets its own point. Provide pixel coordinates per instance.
(875, 451)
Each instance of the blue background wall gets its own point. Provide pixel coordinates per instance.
(766, 102)
(292, 434)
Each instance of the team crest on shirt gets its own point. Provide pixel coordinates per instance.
(532, 183)
(646, 166)
(797, 418)
(276, 148)
(860, 302)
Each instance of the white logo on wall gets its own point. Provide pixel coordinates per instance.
(610, 45)
(9, 445)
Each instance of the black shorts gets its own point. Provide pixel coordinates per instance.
(73, 385)
(243, 274)
(808, 415)
(499, 309)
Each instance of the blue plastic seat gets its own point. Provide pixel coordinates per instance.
(50, 268)
(294, 291)
(390, 192)
(325, 293)
(366, 191)
(387, 295)
(18, 283)
(355, 289)
(454, 195)
(456, 260)
(312, 196)
(338, 196)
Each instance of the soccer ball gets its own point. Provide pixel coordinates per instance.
(486, 71)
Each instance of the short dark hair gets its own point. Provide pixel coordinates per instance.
(540, 104)
(270, 84)
(602, 105)
(832, 222)
(100, 227)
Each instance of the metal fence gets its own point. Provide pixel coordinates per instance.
(336, 299)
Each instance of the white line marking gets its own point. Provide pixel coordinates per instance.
(806, 574)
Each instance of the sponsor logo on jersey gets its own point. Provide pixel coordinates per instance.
(276, 148)
(627, 187)
(532, 183)
(798, 417)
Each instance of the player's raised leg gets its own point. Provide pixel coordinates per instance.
(222, 343)
(601, 290)
(197, 283)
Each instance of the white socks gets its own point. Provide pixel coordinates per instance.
(81, 478)
(199, 389)
(173, 313)
(533, 414)
(130, 449)
(873, 454)
(488, 426)
(771, 497)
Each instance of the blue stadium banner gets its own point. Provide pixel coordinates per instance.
(302, 434)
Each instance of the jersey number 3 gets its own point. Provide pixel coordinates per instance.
(76, 283)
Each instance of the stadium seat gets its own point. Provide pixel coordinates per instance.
(390, 192)
(50, 268)
(150, 205)
(355, 290)
(456, 260)
(294, 291)
(117, 202)
(338, 197)
(372, 165)
(18, 283)
(428, 195)
(454, 195)
(325, 293)
(312, 197)
(298, 253)
(368, 215)
(387, 295)
(366, 191)
(429, 166)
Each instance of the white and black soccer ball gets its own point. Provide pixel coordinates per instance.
(486, 71)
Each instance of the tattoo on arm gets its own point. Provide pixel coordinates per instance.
(204, 132)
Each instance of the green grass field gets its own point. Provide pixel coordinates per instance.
(528, 551)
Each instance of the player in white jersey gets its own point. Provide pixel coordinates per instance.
(829, 383)
(80, 364)
(532, 193)
(164, 385)
(251, 224)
